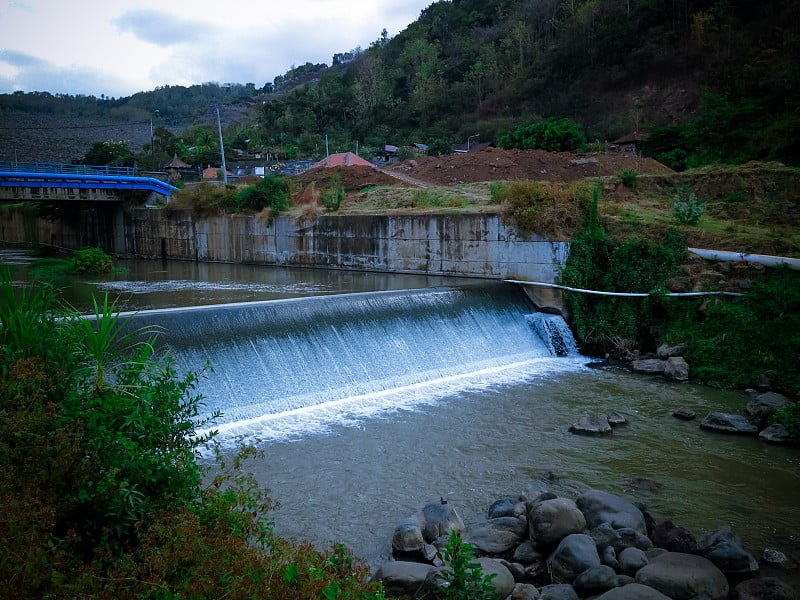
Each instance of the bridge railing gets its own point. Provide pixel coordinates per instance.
(33, 167)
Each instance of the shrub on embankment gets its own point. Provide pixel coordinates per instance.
(747, 341)
(99, 479)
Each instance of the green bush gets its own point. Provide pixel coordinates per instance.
(271, 192)
(737, 342)
(613, 324)
(789, 417)
(498, 192)
(628, 178)
(91, 261)
(333, 196)
(440, 147)
(687, 208)
(204, 198)
(465, 578)
(554, 135)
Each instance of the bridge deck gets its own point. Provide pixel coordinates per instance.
(44, 175)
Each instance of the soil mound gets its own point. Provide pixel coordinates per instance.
(496, 164)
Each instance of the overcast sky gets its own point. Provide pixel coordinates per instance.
(120, 47)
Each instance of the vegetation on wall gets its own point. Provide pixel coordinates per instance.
(731, 342)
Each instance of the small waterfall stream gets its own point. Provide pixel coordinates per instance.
(366, 350)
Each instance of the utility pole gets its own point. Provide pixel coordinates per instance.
(222, 150)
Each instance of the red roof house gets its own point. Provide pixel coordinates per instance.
(344, 159)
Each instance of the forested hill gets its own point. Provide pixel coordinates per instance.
(709, 79)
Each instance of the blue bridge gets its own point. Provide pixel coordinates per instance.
(48, 181)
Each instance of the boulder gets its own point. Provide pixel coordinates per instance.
(496, 536)
(631, 560)
(684, 577)
(401, 578)
(558, 591)
(604, 535)
(774, 434)
(674, 538)
(407, 535)
(666, 351)
(608, 557)
(764, 405)
(650, 366)
(506, 507)
(526, 553)
(764, 588)
(503, 581)
(591, 425)
(600, 507)
(574, 554)
(676, 368)
(615, 418)
(525, 591)
(549, 521)
(685, 414)
(440, 518)
(724, 548)
(595, 580)
(631, 538)
(633, 591)
(728, 423)
(774, 558)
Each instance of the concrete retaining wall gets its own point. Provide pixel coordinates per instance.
(472, 245)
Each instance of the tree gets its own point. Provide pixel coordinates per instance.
(554, 135)
(115, 154)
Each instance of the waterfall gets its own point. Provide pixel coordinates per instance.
(294, 355)
(554, 333)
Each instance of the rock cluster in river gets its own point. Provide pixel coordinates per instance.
(599, 546)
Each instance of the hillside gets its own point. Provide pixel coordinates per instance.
(711, 81)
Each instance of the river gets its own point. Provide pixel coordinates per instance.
(397, 390)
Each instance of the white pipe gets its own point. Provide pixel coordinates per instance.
(621, 294)
(761, 259)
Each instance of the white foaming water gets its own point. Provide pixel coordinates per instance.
(319, 418)
(288, 367)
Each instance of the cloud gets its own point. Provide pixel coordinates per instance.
(30, 73)
(20, 59)
(161, 28)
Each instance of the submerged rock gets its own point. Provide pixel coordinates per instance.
(685, 414)
(728, 423)
(774, 434)
(591, 425)
(724, 548)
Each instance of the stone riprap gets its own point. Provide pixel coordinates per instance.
(598, 545)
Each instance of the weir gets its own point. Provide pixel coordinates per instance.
(289, 356)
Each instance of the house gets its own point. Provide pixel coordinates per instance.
(210, 173)
(631, 142)
(174, 167)
(344, 159)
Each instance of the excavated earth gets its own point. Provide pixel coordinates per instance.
(492, 164)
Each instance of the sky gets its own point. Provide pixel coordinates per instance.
(119, 47)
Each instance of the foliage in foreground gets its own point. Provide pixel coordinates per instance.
(100, 483)
(464, 578)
